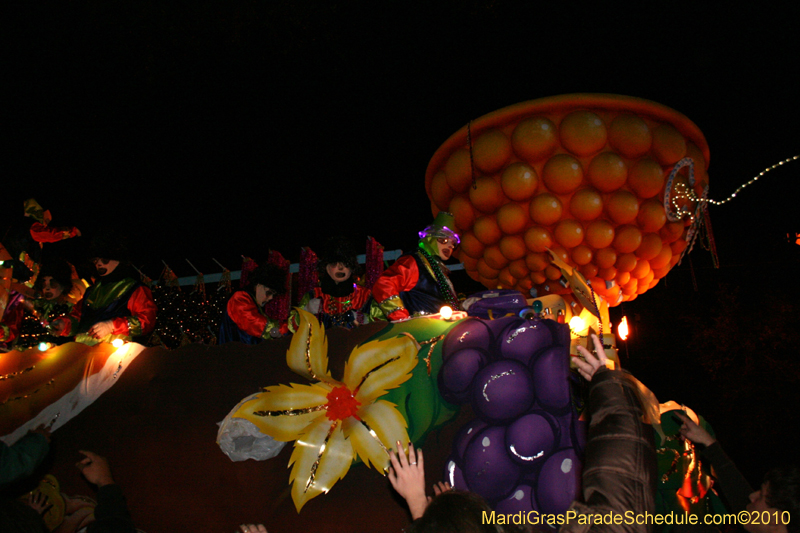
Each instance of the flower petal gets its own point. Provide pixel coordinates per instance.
(377, 433)
(321, 457)
(284, 412)
(308, 353)
(379, 365)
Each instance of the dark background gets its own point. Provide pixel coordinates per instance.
(216, 129)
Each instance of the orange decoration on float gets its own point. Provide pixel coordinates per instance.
(584, 175)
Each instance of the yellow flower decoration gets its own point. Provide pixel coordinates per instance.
(332, 421)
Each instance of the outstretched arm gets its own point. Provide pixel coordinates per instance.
(407, 476)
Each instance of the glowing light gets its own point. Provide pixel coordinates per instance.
(43, 346)
(577, 324)
(446, 312)
(622, 329)
(117, 343)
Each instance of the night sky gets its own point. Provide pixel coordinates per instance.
(216, 129)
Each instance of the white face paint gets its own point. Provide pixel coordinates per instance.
(338, 272)
(51, 289)
(104, 267)
(263, 294)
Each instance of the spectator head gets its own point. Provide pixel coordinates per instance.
(779, 494)
(456, 511)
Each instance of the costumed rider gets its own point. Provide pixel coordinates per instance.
(57, 292)
(117, 305)
(338, 300)
(419, 283)
(244, 319)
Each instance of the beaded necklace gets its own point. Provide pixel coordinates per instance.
(442, 282)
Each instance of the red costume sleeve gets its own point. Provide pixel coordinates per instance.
(9, 329)
(143, 314)
(401, 276)
(42, 233)
(245, 314)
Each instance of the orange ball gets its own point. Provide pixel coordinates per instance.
(652, 216)
(519, 181)
(512, 218)
(646, 178)
(534, 139)
(650, 247)
(641, 269)
(486, 230)
(462, 210)
(537, 278)
(487, 195)
(623, 278)
(626, 262)
(581, 255)
(662, 259)
(607, 172)
(471, 246)
(469, 262)
(588, 271)
(458, 170)
(629, 135)
(491, 150)
(678, 246)
(518, 269)
(562, 174)
(586, 204)
(622, 207)
(661, 272)
(599, 234)
(538, 239)
(494, 257)
(537, 261)
(598, 285)
(669, 146)
(561, 253)
(605, 257)
(630, 288)
(485, 271)
(607, 274)
(524, 285)
(506, 279)
(546, 209)
(513, 247)
(583, 133)
(552, 273)
(671, 231)
(568, 233)
(628, 238)
(441, 193)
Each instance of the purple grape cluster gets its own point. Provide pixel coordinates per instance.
(523, 451)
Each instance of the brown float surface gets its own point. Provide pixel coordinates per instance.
(158, 429)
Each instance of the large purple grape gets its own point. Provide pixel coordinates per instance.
(520, 500)
(502, 391)
(559, 482)
(488, 470)
(469, 333)
(522, 338)
(531, 438)
(454, 475)
(550, 371)
(458, 371)
(468, 432)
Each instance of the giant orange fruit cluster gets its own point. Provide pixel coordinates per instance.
(583, 175)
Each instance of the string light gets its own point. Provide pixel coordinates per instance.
(683, 192)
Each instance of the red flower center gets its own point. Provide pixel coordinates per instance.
(341, 404)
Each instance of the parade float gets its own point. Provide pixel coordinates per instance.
(566, 206)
